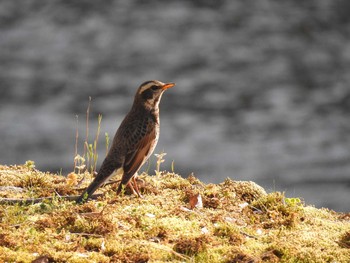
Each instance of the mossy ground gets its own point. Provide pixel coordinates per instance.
(238, 222)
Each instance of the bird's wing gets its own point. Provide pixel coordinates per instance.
(135, 158)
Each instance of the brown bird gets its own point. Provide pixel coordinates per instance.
(134, 141)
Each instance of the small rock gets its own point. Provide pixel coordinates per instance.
(41, 259)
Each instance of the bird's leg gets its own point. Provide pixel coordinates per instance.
(129, 184)
(132, 184)
(136, 187)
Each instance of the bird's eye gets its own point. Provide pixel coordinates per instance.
(154, 87)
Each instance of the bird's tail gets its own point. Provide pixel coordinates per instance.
(90, 190)
(103, 175)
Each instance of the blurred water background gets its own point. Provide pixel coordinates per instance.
(262, 86)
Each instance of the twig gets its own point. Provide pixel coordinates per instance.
(247, 235)
(87, 234)
(29, 201)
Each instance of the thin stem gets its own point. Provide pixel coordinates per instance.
(87, 128)
(76, 142)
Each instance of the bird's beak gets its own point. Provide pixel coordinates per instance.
(168, 86)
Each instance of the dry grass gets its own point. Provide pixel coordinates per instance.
(236, 222)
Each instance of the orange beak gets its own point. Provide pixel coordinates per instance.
(168, 85)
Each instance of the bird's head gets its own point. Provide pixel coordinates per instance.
(150, 93)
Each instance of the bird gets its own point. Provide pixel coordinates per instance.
(134, 141)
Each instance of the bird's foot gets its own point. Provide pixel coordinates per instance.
(134, 188)
(137, 187)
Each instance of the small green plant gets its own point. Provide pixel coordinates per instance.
(160, 160)
(85, 197)
(30, 164)
(87, 127)
(79, 164)
(173, 166)
(76, 142)
(107, 142)
(294, 201)
(122, 192)
(90, 156)
(95, 156)
(91, 148)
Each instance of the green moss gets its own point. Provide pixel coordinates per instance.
(239, 222)
(274, 211)
(229, 231)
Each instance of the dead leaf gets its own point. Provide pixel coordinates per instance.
(196, 201)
